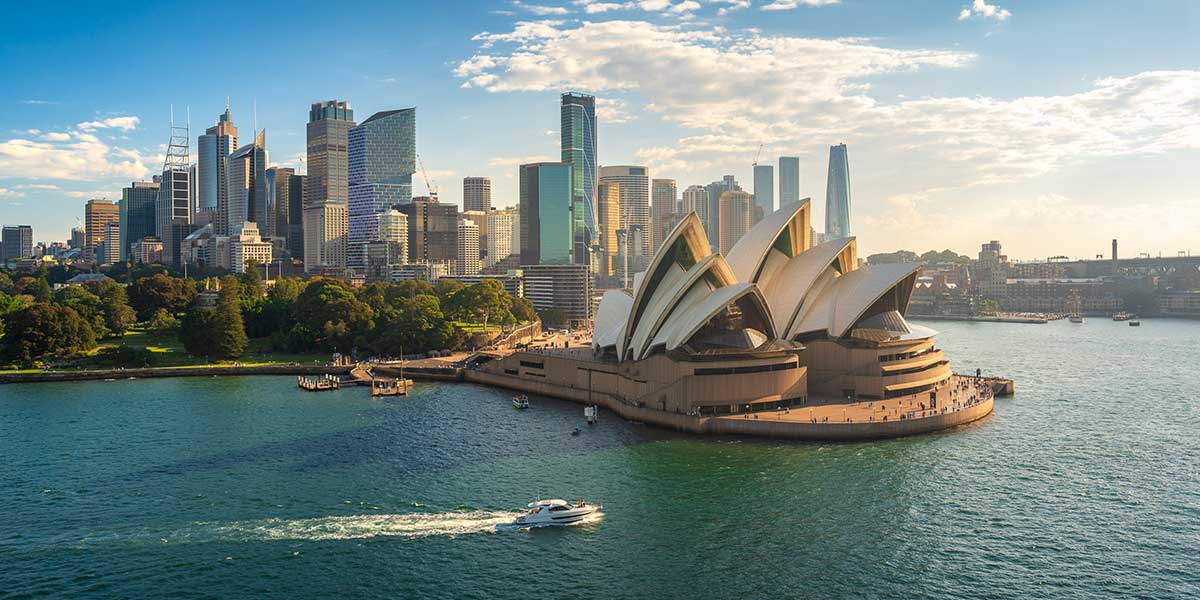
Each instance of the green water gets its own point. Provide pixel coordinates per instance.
(1085, 485)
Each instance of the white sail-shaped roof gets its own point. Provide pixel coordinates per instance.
(610, 318)
(693, 283)
(793, 283)
(684, 324)
(842, 303)
(684, 247)
(756, 248)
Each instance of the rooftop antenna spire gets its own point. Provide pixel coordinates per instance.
(256, 117)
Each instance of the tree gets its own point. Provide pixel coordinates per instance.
(118, 316)
(148, 294)
(553, 316)
(417, 325)
(45, 329)
(162, 321)
(88, 305)
(251, 282)
(522, 310)
(286, 289)
(481, 302)
(989, 306)
(445, 287)
(332, 301)
(196, 331)
(6, 284)
(229, 332)
(40, 290)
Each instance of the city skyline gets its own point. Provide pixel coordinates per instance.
(954, 139)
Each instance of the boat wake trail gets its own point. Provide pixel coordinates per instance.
(404, 526)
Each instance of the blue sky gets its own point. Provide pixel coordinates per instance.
(1052, 126)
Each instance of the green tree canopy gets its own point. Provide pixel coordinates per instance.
(148, 294)
(45, 329)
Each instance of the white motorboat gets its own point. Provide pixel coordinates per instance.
(521, 401)
(544, 513)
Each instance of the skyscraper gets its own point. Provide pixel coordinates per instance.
(137, 209)
(173, 211)
(78, 237)
(663, 194)
(326, 192)
(249, 194)
(608, 205)
(695, 199)
(109, 251)
(737, 210)
(480, 219)
(477, 194)
(547, 227)
(432, 230)
(578, 136)
(16, 242)
(468, 248)
(764, 191)
(212, 164)
(634, 183)
(280, 180)
(97, 214)
(713, 226)
(837, 194)
(789, 180)
(295, 222)
(382, 159)
(500, 225)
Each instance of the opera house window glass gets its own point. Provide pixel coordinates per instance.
(739, 327)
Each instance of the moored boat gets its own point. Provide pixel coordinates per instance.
(521, 401)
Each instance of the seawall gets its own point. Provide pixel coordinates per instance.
(738, 425)
(230, 370)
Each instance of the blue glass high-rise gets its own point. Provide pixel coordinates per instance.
(837, 194)
(546, 217)
(383, 158)
(789, 181)
(578, 130)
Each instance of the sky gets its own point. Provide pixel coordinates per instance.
(1052, 126)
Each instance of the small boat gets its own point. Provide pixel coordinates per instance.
(590, 412)
(1122, 316)
(544, 513)
(1135, 323)
(521, 401)
(576, 432)
(1076, 319)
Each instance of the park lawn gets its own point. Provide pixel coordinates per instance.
(474, 327)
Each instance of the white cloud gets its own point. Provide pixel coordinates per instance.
(539, 9)
(78, 156)
(7, 193)
(732, 5)
(122, 123)
(791, 4)
(591, 7)
(56, 136)
(44, 187)
(682, 9)
(983, 9)
(36, 101)
(613, 110)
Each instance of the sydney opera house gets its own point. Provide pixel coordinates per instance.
(781, 337)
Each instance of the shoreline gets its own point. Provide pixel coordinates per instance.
(154, 372)
(981, 319)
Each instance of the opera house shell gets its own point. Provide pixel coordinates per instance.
(711, 343)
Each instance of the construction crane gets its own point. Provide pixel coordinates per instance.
(757, 155)
(428, 183)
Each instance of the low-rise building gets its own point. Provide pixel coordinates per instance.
(248, 246)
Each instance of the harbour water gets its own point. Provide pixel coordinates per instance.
(1086, 484)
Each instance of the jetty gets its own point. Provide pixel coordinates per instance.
(318, 383)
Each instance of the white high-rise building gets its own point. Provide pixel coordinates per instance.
(695, 199)
(468, 249)
(501, 225)
(480, 219)
(246, 246)
(634, 182)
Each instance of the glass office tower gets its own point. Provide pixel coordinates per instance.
(547, 223)
(578, 130)
(383, 158)
(837, 194)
